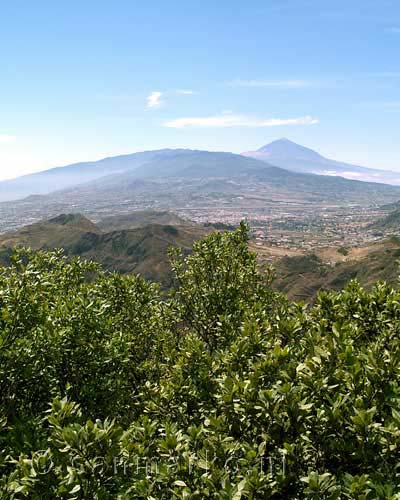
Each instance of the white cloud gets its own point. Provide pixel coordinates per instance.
(232, 120)
(335, 173)
(284, 84)
(6, 139)
(154, 100)
(186, 92)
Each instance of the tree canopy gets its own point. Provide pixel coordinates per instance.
(221, 390)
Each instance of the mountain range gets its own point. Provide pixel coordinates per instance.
(291, 156)
(210, 184)
(276, 163)
(187, 178)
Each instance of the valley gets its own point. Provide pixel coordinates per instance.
(318, 231)
(275, 219)
(305, 259)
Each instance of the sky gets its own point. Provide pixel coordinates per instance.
(84, 80)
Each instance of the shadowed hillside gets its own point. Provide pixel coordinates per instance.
(142, 249)
(301, 277)
(64, 231)
(390, 222)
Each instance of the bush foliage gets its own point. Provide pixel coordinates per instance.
(222, 390)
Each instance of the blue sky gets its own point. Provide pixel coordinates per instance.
(84, 80)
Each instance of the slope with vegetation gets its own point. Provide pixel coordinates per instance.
(390, 222)
(301, 277)
(136, 242)
(223, 390)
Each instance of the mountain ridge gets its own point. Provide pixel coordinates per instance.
(62, 177)
(283, 155)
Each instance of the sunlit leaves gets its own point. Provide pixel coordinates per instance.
(222, 390)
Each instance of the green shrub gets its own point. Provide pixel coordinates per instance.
(223, 390)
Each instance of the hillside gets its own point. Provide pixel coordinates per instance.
(62, 231)
(391, 222)
(289, 155)
(142, 249)
(301, 277)
(63, 177)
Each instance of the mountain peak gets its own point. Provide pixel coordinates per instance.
(285, 148)
(288, 155)
(70, 218)
(73, 220)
